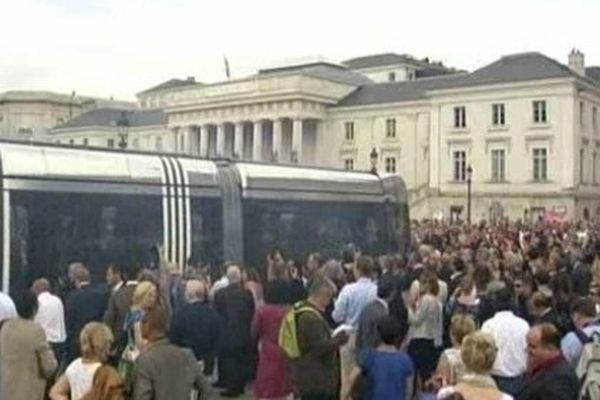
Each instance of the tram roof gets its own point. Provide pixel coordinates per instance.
(37, 161)
(43, 161)
(272, 181)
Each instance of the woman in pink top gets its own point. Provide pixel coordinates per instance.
(272, 377)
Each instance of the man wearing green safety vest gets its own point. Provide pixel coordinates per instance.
(316, 372)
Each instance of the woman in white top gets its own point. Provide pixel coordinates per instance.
(450, 367)
(96, 340)
(478, 353)
(425, 319)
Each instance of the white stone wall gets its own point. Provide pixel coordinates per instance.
(426, 138)
(38, 117)
(560, 136)
(409, 146)
(139, 138)
(587, 128)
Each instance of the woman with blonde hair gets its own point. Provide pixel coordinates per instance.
(478, 354)
(145, 297)
(96, 340)
(450, 367)
(107, 385)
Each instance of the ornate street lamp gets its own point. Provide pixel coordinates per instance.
(469, 180)
(123, 130)
(73, 93)
(374, 158)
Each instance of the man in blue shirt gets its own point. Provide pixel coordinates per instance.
(585, 318)
(349, 305)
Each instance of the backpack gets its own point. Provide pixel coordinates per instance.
(588, 368)
(288, 335)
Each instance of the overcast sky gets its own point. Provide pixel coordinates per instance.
(120, 47)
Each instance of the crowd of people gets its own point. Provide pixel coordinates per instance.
(482, 312)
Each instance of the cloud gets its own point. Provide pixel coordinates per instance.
(120, 47)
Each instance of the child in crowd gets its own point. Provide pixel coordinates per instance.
(388, 372)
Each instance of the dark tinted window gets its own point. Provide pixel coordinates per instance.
(51, 230)
(298, 228)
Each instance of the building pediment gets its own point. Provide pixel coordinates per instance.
(258, 89)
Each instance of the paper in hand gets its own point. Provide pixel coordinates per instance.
(343, 327)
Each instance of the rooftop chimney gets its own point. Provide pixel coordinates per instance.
(191, 79)
(577, 62)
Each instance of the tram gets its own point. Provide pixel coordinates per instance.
(61, 204)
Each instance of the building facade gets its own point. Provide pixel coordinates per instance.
(31, 115)
(147, 130)
(28, 114)
(526, 124)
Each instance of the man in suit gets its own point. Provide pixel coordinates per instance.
(581, 274)
(26, 359)
(114, 277)
(164, 371)
(196, 325)
(236, 307)
(84, 304)
(549, 375)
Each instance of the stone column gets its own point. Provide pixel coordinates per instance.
(182, 137)
(189, 133)
(238, 141)
(277, 140)
(297, 141)
(221, 140)
(203, 131)
(257, 141)
(175, 139)
(195, 145)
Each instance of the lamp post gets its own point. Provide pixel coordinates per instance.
(469, 179)
(71, 104)
(123, 130)
(374, 158)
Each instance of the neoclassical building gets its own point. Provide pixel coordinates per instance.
(526, 124)
(32, 114)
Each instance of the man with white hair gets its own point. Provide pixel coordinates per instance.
(236, 307)
(196, 325)
(234, 275)
(50, 316)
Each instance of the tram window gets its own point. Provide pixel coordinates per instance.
(51, 230)
(297, 228)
